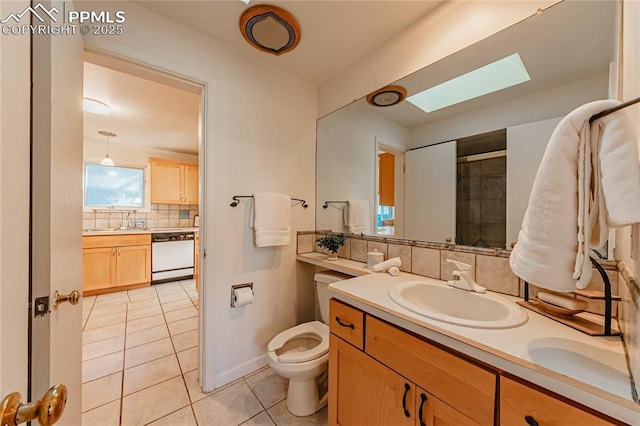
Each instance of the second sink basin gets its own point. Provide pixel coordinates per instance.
(455, 306)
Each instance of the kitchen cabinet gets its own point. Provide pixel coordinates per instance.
(115, 262)
(173, 182)
(384, 375)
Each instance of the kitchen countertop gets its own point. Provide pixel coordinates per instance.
(138, 231)
(590, 370)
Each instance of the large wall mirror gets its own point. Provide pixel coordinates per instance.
(463, 173)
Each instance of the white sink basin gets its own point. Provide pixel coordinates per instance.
(455, 306)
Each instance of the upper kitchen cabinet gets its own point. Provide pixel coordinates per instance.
(173, 182)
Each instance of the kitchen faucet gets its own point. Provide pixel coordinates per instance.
(463, 278)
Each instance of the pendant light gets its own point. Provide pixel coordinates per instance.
(106, 160)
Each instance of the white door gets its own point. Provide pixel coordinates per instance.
(53, 262)
(430, 193)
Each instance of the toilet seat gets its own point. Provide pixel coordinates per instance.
(316, 328)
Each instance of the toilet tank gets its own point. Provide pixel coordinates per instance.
(322, 280)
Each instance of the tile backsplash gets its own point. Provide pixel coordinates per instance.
(490, 266)
(160, 216)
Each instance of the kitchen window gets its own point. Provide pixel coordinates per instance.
(114, 187)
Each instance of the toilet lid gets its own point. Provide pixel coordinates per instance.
(315, 327)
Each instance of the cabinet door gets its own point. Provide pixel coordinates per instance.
(430, 411)
(522, 405)
(98, 268)
(190, 184)
(166, 182)
(364, 392)
(133, 265)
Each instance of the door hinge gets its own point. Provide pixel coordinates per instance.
(41, 307)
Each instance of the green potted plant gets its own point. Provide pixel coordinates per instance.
(331, 242)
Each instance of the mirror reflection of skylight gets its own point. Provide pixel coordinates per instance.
(490, 78)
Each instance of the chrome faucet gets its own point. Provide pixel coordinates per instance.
(463, 278)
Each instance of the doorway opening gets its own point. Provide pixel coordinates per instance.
(140, 319)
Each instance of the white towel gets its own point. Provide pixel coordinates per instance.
(357, 216)
(272, 219)
(589, 179)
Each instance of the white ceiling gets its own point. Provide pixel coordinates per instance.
(569, 41)
(155, 115)
(334, 33)
(144, 113)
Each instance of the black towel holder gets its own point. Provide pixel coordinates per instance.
(326, 203)
(236, 201)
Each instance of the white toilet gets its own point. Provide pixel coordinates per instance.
(301, 354)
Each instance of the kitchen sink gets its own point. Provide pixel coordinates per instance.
(460, 307)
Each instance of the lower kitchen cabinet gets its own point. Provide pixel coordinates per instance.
(115, 262)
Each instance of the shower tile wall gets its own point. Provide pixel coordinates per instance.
(481, 210)
(160, 216)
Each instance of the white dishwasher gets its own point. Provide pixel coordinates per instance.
(171, 256)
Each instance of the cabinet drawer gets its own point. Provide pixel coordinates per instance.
(347, 322)
(468, 388)
(99, 241)
(518, 401)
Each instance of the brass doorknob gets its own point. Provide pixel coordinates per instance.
(47, 409)
(73, 298)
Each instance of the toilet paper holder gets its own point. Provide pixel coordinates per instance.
(236, 287)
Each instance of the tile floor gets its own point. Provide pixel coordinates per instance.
(140, 366)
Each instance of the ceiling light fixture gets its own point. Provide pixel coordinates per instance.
(270, 29)
(498, 75)
(95, 107)
(387, 96)
(106, 160)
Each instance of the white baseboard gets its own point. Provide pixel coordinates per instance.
(239, 371)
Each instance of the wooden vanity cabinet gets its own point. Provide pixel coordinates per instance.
(115, 262)
(384, 383)
(519, 401)
(173, 182)
(431, 411)
(366, 392)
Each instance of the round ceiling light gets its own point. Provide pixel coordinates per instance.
(270, 29)
(94, 106)
(387, 96)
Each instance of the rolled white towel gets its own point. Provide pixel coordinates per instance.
(393, 271)
(383, 266)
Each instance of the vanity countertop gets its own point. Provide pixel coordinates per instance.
(87, 233)
(590, 370)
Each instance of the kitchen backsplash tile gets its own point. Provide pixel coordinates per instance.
(161, 215)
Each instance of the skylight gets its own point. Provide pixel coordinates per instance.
(490, 78)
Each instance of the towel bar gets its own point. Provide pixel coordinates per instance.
(584, 325)
(326, 203)
(236, 201)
